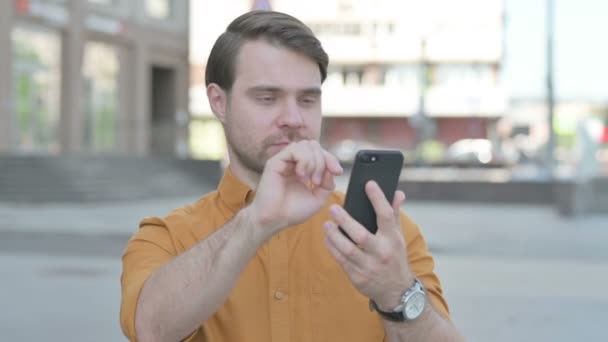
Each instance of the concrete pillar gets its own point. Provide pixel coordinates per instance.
(141, 106)
(71, 127)
(6, 81)
(123, 116)
(183, 116)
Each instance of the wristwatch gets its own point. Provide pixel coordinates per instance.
(411, 306)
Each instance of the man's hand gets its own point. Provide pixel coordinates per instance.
(376, 264)
(295, 184)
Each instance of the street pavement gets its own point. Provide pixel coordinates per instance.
(510, 272)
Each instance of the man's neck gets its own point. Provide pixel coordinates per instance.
(249, 177)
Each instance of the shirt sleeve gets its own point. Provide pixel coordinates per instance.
(422, 264)
(149, 248)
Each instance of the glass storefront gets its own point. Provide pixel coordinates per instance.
(68, 86)
(100, 77)
(36, 87)
(159, 9)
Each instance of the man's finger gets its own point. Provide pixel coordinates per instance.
(311, 163)
(307, 156)
(384, 211)
(326, 187)
(332, 163)
(346, 265)
(301, 156)
(328, 182)
(320, 166)
(398, 200)
(347, 248)
(358, 234)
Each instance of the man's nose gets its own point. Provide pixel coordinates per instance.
(291, 115)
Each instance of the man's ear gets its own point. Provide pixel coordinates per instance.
(218, 100)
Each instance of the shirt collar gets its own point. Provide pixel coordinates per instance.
(233, 192)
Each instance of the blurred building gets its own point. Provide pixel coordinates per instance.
(579, 71)
(400, 71)
(404, 71)
(94, 77)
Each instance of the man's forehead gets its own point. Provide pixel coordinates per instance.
(263, 63)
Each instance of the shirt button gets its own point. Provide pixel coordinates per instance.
(278, 295)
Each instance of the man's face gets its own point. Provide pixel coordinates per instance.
(275, 100)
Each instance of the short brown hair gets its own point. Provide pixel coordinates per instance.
(275, 27)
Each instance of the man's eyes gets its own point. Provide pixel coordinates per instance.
(266, 99)
(270, 98)
(309, 100)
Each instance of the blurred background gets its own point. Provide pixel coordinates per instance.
(499, 106)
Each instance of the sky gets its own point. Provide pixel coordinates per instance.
(581, 52)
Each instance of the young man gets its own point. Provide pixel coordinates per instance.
(261, 258)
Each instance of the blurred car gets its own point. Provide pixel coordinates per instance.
(470, 152)
(346, 149)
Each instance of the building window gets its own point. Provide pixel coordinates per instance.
(113, 8)
(37, 84)
(352, 77)
(403, 76)
(109, 3)
(160, 9)
(100, 73)
(337, 29)
(373, 75)
(464, 75)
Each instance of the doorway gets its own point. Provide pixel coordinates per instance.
(163, 106)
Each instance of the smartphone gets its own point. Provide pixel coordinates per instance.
(382, 166)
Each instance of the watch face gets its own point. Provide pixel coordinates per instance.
(415, 305)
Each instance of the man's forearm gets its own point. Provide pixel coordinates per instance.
(430, 326)
(185, 292)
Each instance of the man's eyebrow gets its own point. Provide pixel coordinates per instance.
(311, 91)
(262, 89)
(273, 89)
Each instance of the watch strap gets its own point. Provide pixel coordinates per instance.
(397, 314)
(394, 316)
